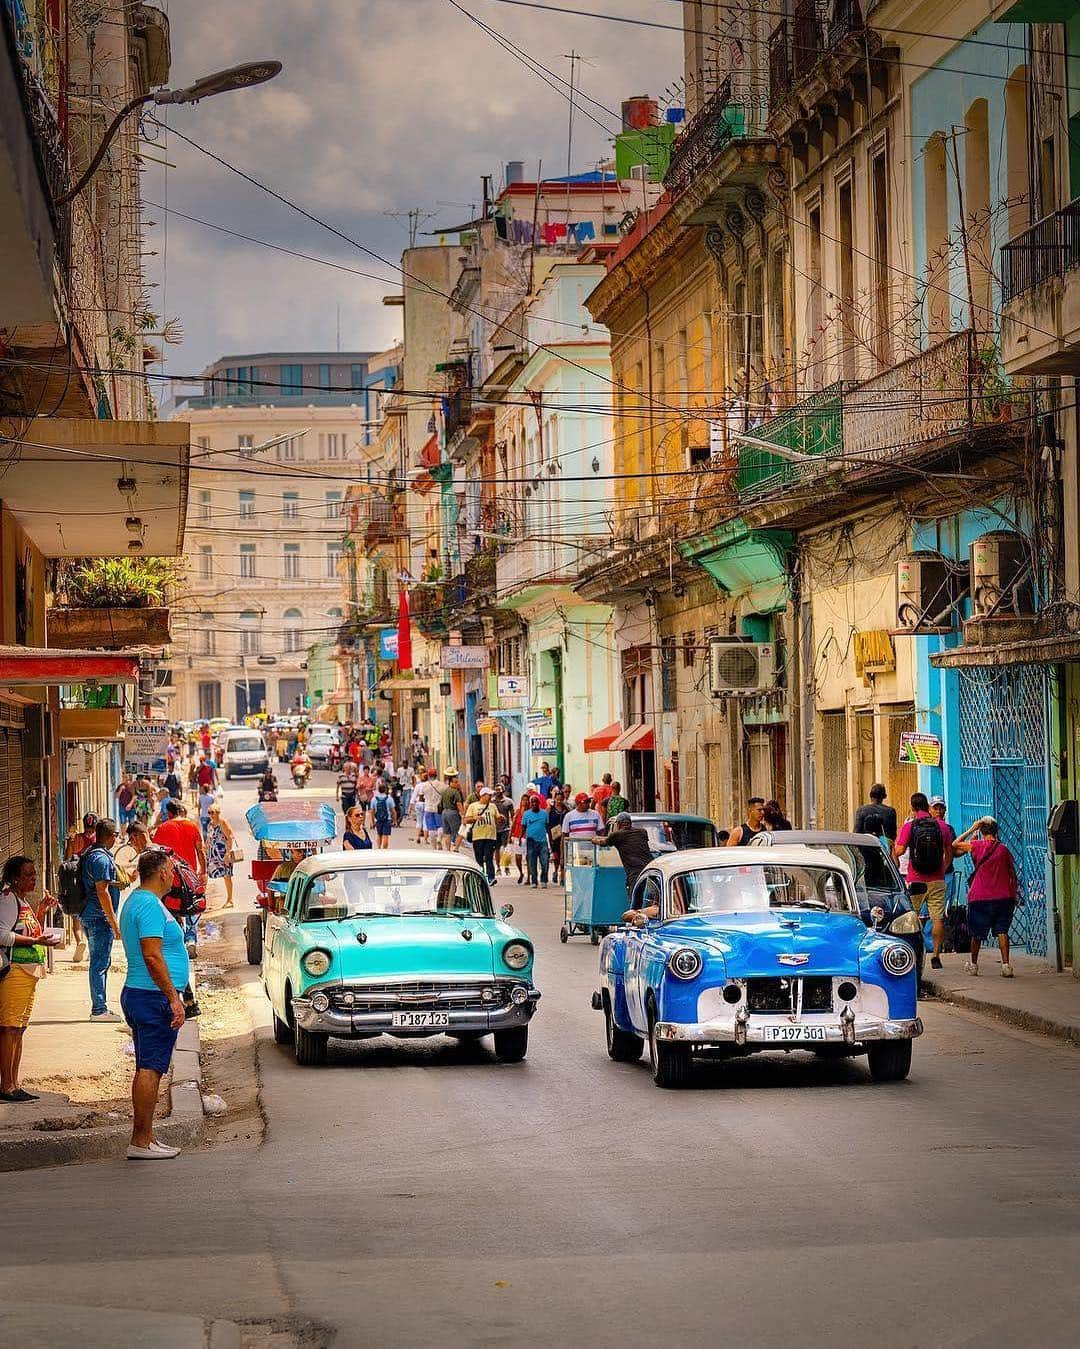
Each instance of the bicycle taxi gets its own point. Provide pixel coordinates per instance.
(286, 832)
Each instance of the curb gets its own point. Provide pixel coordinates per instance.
(184, 1125)
(1015, 1016)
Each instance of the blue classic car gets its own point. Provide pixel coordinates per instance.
(405, 944)
(753, 949)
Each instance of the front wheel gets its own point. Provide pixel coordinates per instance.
(670, 1060)
(890, 1060)
(309, 1047)
(512, 1045)
(622, 1046)
(564, 934)
(253, 938)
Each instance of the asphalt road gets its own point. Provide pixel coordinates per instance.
(418, 1194)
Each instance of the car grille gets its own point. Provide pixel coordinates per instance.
(781, 995)
(419, 996)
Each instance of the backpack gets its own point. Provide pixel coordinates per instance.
(382, 809)
(188, 893)
(70, 885)
(926, 845)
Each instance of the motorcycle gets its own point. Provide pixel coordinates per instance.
(300, 774)
(267, 791)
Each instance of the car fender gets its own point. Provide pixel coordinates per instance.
(901, 991)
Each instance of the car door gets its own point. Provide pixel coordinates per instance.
(646, 893)
(275, 939)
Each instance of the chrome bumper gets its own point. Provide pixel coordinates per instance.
(845, 1030)
(345, 1024)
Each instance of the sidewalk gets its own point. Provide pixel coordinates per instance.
(1037, 999)
(82, 1071)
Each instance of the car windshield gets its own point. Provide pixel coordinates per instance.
(747, 889)
(667, 834)
(393, 891)
(244, 744)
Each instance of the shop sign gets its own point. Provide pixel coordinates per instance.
(920, 750)
(487, 726)
(543, 744)
(388, 639)
(146, 745)
(540, 721)
(513, 688)
(464, 657)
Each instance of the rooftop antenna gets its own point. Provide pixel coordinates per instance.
(339, 327)
(575, 59)
(416, 218)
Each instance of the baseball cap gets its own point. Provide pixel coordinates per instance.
(623, 818)
(937, 800)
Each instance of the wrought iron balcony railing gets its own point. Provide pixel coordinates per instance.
(1051, 247)
(722, 120)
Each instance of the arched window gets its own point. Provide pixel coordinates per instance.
(936, 208)
(1017, 139)
(977, 209)
(249, 633)
(294, 633)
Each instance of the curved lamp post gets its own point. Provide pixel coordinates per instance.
(236, 77)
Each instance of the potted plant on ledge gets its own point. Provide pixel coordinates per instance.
(112, 602)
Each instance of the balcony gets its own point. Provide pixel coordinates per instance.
(1040, 291)
(725, 121)
(885, 427)
(799, 46)
(458, 412)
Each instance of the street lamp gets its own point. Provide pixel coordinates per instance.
(236, 77)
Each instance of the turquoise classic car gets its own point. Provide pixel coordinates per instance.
(403, 943)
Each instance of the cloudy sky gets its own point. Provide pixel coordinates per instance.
(383, 106)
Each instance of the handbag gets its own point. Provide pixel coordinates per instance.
(236, 854)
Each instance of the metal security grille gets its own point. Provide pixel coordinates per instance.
(12, 793)
(1004, 772)
(832, 798)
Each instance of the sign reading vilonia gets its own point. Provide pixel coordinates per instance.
(464, 657)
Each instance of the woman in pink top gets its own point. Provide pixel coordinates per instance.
(992, 891)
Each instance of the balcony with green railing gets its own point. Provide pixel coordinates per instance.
(814, 426)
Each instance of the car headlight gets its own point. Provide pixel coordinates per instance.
(316, 963)
(516, 954)
(906, 924)
(898, 959)
(685, 963)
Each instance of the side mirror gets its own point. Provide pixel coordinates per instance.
(877, 916)
(506, 911)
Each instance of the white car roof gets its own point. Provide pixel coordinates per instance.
(793, 854)
(368, 859)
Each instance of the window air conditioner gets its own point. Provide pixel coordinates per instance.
(736, 666)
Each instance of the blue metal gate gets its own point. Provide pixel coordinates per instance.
(1005, 772)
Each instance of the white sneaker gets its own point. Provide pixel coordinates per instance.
(105, 1016)
(969, 968)
(168, 1151)
(1007, 971)
(154, 1153)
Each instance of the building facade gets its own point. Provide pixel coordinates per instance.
(275, 436)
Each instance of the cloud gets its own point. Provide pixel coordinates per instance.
(383, 106)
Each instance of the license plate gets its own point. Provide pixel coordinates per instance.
(793, 1032)
(419, 1020)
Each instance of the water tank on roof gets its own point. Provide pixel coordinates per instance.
(515, 171)
(639, 111)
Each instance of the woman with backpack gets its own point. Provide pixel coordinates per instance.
(23, 954)
(992, 891)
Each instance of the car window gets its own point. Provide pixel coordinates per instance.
(395, 891)
(244, 744)
(746, 888)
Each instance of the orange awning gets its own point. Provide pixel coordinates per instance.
(48, 665)
(602, 740)
(639, 736)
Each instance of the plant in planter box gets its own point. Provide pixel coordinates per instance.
(118, 582)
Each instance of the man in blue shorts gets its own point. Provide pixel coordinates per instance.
(158, 966)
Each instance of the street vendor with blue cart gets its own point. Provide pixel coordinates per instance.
(633, 846)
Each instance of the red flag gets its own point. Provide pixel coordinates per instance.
(404, 633)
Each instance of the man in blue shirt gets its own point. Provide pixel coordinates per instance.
(101, 890)
(546, 780)
(534, 824)
(158, 966)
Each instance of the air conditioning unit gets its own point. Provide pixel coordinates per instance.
(1001, 576)
(736, 666)
(927, 588)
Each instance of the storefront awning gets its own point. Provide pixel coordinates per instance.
(42, 665)
(638, 737)
(603, 740)
(1039, 651)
